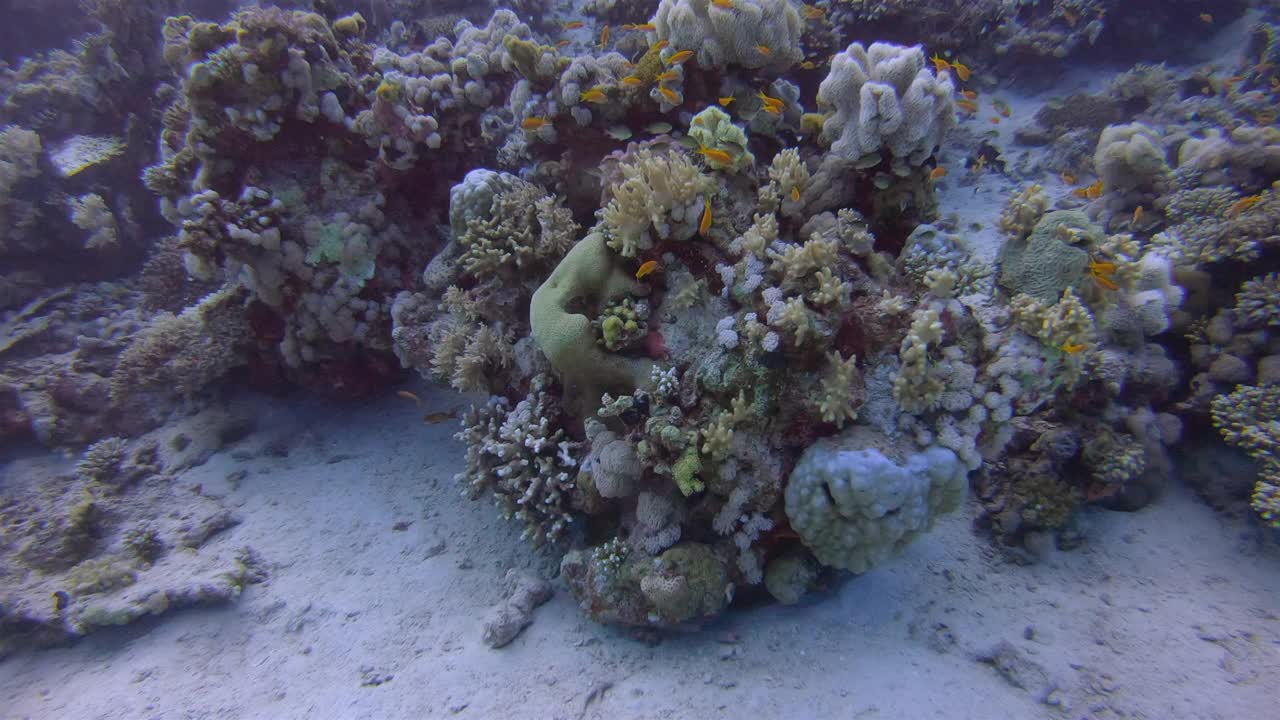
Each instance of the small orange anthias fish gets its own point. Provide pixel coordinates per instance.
(723, 4)
(572, 25)
(962, 70)
(812, 13)
(439, 417)
(633, 81)
(1072, 348)
(594, 95)
(764, 50)
(1137, 215)
(795, 193)
(724, 101)
(1102, 272)
(661, 45)
(938, 173)
(995, 120)
(646, 268)
(1001, 107)
(968, 106)
(808, 65)
(714, 155)
(1089, 192)
(533, 123)
(1067, 177)
(969, 94)
(680, 57)
(409, 396)
(670, 95)
(939, 64)
(604, 37)
(667, 75)
(705, 224)
(1243, 204)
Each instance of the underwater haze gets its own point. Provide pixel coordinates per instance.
(637, 359)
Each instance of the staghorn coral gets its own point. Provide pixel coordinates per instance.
(1247, 417)
(1258, 302)
(101, 460)
(522, 230)
(1206, 225)
(524, 458)
(842, 391)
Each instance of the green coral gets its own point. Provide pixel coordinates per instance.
(1054, 258)
(589, 275)
(621, 325)
(713, 129)
(685, 472)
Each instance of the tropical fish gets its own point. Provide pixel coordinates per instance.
(661, 45)
(1090, 192)
(808, 65)
(723, 4)
(645, 268)
(1067, 177)
(666, 75)
(1137, 215)
(1071, 348)
(1243, 204)
(773, 109)
(969, 94)
(980, 164)
(439, 417)
(409, 396)
(572, 25)
(962, 70)
(705, 224)
(1102, 272)
(633, 81)
(1001, 107)
(938, 173)
(563, 43)
(659, 128)
(604, 37)
(715, 155)
(533, 123)
(939, 64)
(968, 106)
(680, 57)
(670, 95)
(812, 13)
(724, 101)
(994, 120)
(1206, 18)
(594, 95)
(645, 27)
(619, 132)
(795, 193)
(776, 102)
(764, 50)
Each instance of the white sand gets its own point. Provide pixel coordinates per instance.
(1164, 613)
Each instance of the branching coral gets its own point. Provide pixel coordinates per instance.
(660, 198)
(524, 457)
(752, 33)
(1250, 418)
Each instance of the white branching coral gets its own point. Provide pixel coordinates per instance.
(525, 458)
(841, 390)
(718, 437)
(751, 34)
(524, 228)
(660, 198)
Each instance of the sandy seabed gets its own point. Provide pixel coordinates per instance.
(380, 573)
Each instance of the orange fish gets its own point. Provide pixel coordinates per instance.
(562, 43)
(1206, 18)
(533, 123)
(667, 75)
(995, 120)
(409, 396)
(962, 71)
(938, 173)
(646, 268)
(1090, 192)
(633, 81)
(661, 45)
(715, 155)
(772, 109)
(604, 37)
(1102, 272)
(705, 224)
(808, 65)
(939, 64)
(594, 95)
(968, 106)
(812, 13)
(724, 101)
(572, 25)
(723, 4)
(795, 194)
(1001, 107)
(764, 50)
(969, 94)
(1243, 204)
(680, 57)
(670, 95)
(643, 27)
(439, 417)
(1071, 348)
(1068, 178)
(1137, 215)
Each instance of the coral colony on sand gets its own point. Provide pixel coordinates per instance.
(691, 249)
